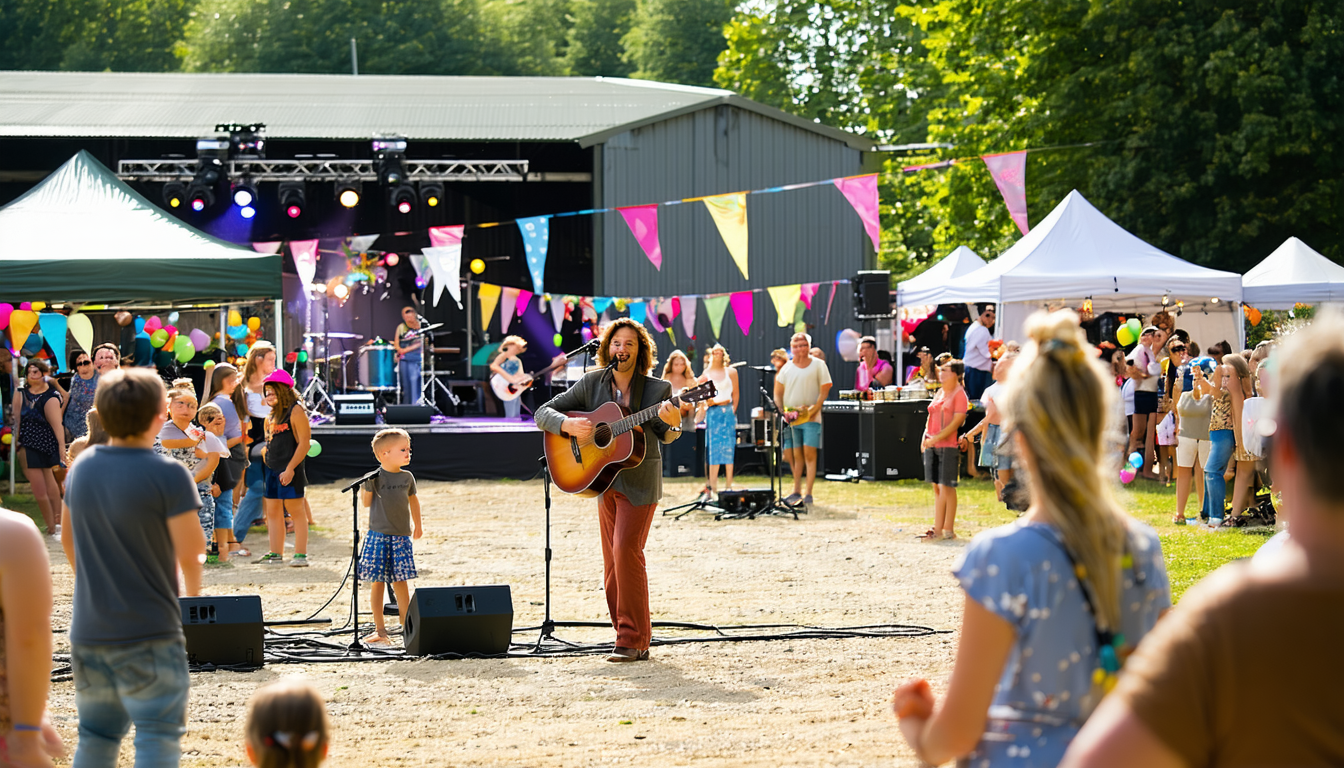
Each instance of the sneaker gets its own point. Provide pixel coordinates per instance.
(807, 500)
(270, 558)
(792, 500)
(299, 561)
(212, 559)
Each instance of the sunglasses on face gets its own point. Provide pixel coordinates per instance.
(83, 363)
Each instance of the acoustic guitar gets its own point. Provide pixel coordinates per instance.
(507, 390)
(588, 467)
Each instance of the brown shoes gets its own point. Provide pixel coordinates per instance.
(621, 655)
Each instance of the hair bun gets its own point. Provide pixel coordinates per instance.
(1056, 331)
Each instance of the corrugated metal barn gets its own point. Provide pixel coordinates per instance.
(589, 142)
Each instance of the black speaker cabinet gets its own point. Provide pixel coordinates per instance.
(354, 408)
(840, 437)
(679, 456)
(745, 502)
(223, 630)
(459, 620)
(872, 295)
(407, 414)
(889, 436)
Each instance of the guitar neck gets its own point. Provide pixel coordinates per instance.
(635, 419)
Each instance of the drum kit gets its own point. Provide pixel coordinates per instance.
(375, 370)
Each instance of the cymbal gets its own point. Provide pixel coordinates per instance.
(333, 335)
(424, 328)
(738, 363)
(334, 358)
(446, 350)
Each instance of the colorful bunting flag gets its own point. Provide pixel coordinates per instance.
(600, 303)
(53, 326)
(524, 299)
(643, 223)
(1010, 176)
(651, 312)
(637, 312)
(785, 297)
(536, 239)
(861, 192)
(440, 237)
(444, 258)
(362, 243)
(808, 291)
(834, 287)
(305, 261)
(82, 329)
(743, 310)
(558, 313)
(688, 315)
(21, 325)
(488, 294)
(271, 247)
(730, 216)
(508, 305)
(714, 308)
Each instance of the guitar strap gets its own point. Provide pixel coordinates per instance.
(637, 394)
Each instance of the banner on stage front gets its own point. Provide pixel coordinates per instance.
(536, 232)
(730, 216)
(785, 297)
(861, 192)
(488, 294)
(1010, 176)
(643, 223)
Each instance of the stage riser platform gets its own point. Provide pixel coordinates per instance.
(438, 451)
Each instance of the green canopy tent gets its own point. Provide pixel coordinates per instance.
(84, 236)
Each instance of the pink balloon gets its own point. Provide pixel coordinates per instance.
(25, 306)
(153, 324)
(171, 329)
(1126, 475)
(5, 311)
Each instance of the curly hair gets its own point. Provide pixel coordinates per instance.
(648, 349)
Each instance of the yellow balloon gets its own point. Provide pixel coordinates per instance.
(6, 439)
(477, 266)
(253, 323)
(235, 318)
(38, 306)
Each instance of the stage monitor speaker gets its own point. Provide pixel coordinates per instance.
(225, 630)
(407, 414)
(354, 408)
(745, 502)
(459, 620)
(872, 295)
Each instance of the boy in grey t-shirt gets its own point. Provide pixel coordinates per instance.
(129, 521)
(387, 556)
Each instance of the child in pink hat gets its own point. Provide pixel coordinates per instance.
(288, 437)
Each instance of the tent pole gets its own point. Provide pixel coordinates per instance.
(280, 329)
(898, 376)
(224, 329)
(468, 372)
(13, 444)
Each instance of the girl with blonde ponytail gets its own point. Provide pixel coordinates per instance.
(1055, 600)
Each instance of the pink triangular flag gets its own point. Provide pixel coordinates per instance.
(809, 290)
(444, 237)
(834, 287)
(861, 192)
(643, 223)
(271, 247)
(1010, 176)
(524, 299)
(743, 310)
(652, 316)
(305, 260)
(558, 313)
(688, 315)
(508, 301)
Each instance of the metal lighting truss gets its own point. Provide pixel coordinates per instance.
(326, 170)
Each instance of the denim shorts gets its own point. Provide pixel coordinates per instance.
(808, 435)
(276, 490)
(941, 466)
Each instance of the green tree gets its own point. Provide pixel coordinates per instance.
(677, 41)
(594, 45)
(92, 35)
(527, 37)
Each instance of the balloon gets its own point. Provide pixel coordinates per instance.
(1135, 327)
(253, 323)
(183, 349)
(1124, 336)
(1126, 475)
(250, 339)
(209, 364)
(847, 344)
(32, 346)
(303, 357)
(158, 338)
(6, 439)
(173, 317)
(5, 311)
(123, 318)
(235, 318)
(559, 339)
(26, 306)
(199, 339)
(1252, 314)
(139, 324)
(1136, 460)
(38, 306)
(237, 332)
(171, 329)
(477, 266)
(82, 329)
(153, 324)
(314, 448)
(242, 349)
(21, 323)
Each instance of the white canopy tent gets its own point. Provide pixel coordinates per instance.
(1076, 254)
(1293, 274)
(917, 290)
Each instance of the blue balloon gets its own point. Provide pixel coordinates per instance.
(242, 350)
(1136, 460)
(237, 331)
(32, 345)
(139, 324)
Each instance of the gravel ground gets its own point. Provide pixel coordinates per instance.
(781, 702)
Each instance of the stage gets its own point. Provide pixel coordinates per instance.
(453, 449)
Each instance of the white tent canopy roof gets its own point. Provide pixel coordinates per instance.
(1077, 252)
(926, 285)
(1292, 274)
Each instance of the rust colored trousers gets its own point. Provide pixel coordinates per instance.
(625, 529)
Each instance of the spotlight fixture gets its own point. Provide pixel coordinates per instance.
(1214, 300)
(293, 195)
(209, 174)
(244, 194)
(174, 194)
(246, 140)
(247, 211)
(431, 193)
(402, 198)
(202, 197)
(389, 155)
(348, 193)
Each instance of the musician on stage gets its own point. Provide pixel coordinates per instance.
(408, 355)
(627, 354)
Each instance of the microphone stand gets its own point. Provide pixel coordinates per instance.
(353, 488)
(777, 505)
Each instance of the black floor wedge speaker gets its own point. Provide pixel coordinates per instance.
(223, 630)
(459, 620)
(408, 414)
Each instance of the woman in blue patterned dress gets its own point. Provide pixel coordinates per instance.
(1055, 600)
(82, 386)
(720, 418)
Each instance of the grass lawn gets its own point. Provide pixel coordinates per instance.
(1190, 553)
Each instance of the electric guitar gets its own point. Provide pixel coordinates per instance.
(588, 467)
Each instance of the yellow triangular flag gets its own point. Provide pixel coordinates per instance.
(488, 295)
(786, 297)
(730, 215)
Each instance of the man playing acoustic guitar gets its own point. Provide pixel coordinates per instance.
(625, 510)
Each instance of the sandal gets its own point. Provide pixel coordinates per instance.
(948, 535)
(1178, 521)
(929, 534)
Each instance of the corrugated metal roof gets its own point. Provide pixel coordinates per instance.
(179, 105)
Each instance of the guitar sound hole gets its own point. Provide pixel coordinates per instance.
(602, 435)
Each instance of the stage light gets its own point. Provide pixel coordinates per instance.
(244, 194)
(348, 192)
(174, 194)
(246, 140)
(1214, 300)
(431, 193)
(402, 198)
(341, 291)
(292, 198)
(391, 259)
(389, 152)
(247, 211)
(202, 197)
